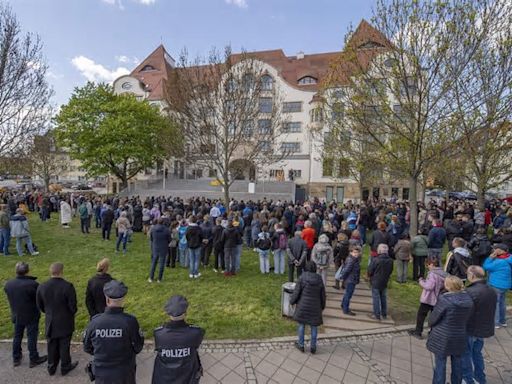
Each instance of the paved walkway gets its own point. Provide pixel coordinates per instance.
(367, 359)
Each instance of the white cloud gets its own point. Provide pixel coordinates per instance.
(117, 3)
(53, 75)
(146, 2)
(93, 71)
(237, 3)
(123, 59)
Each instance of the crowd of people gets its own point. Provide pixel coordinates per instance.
(306, 239)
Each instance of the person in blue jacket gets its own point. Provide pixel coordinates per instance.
(499, 265)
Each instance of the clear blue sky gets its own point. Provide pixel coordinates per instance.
(101, 39)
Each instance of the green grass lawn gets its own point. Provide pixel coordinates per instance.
(241, 307)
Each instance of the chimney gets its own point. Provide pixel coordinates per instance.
(300, 55)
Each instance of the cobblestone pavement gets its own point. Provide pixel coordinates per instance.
(373, 358)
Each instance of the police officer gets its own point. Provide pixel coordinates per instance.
(176, 343)
(114, 338)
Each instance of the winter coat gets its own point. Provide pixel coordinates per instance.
(499, 271)
(481, 248)
(21, 293)
(481, 322)
(207, 227)
(194, 236)
(436, 237)
(403, 250)
(65, 213)
(432, 286)
(19, 226)
(321, 254)
(123, 225)
(453, 229)
(107, 217)
(255, 229)
(457, 263)
(419, 246)
(4, 220)
(217, 232)
(231, 237)
(380, 270)
(297, 250)
(94, 296)
(308, 235)
(160, 237)
(467, 230)
(309, 295)
(341, 251)
(351, 270)
(275, 238)
(380, 237)
(448, 322)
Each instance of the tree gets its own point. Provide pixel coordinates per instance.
(483, 99)
(399, 76)
(115, 134)
(24, 91)
(230, 112)
(45, 158)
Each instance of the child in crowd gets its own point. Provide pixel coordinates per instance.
(350, 277)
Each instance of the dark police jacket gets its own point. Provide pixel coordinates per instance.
(21, 293)
(57, 299)
(177, 360)
(114, 338)
(94, 296)
(481, 321)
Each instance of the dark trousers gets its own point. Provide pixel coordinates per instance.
(84, 224)
(418, 267)
(155, 258)
(380, 303)
(230, 259)
(32, 331)
(97, 219)
(349, 291)
(206, 251)
(219, 259)
(291, 272)
(105, 231)
(171, 257)
(423, 311)
(58, 349)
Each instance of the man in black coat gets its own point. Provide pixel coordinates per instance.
(194, 236)
(21, 293)
(177, 343)
(160, 236)
(114, 339)
(297, 252)
(107, 218)
(379, 272)
(480, 325)
(57, 299)
(94, 297)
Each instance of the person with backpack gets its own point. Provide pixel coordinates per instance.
(297, 254)
(458, 261)
(419, 251)
(194, 236)
(480, 246)
(340, 254)
(499, 266)
(279, 246)
(263, 244)
(432, 288)
(321, 255)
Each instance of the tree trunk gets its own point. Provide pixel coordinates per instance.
(480, 198)
(226, 184)
(47, 184)
(413, 204)
(124, 184)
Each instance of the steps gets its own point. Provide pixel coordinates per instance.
(361, 304)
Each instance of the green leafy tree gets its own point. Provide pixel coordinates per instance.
(115, 134)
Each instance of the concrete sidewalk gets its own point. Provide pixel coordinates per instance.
(367, 359)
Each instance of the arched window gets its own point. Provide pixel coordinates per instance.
(147, 68)
(307, 80)
(267, 83)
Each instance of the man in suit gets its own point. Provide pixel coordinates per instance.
(21, 293)
(57, 299)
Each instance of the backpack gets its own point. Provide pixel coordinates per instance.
(264, 244)
(282, 241)
(322, 257)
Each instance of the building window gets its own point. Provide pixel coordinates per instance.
(337, 111)
(292, 127)
(307, 80)
(405, 193)
(265, 145)
(230, 106)
(327, 167)
(408, 88)
(292, 106)
(265, 105)
(340, 194)
(343, 168)
(212, 172)
(264, 127)
(267, 83)
(297, 173)
(231, 129)
(248, 82)
(147, 68)
(317, 115)
(290, 147)
(247, 128)
(329, 193)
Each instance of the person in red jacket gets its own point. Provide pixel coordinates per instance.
(308, 235)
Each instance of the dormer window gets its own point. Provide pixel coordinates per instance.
(370, 45)
(306, 80)
(147, 68)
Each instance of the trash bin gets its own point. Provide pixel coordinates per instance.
(286, 292)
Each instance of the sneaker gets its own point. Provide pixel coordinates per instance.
(191, 276)
(214, 270)
(299, 347)
(159, 281)
(313, 350)
(373, 317)
(350, 313)
(35, 253)
(150, 280)
(195, 276)
(39, 360)
(413, 333)
(504, 325)
(198, 274)
(497, 326)
(384, 317)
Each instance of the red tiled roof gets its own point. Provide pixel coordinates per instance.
(290, 68)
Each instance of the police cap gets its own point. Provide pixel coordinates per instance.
(176, 306)
(115, 289)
